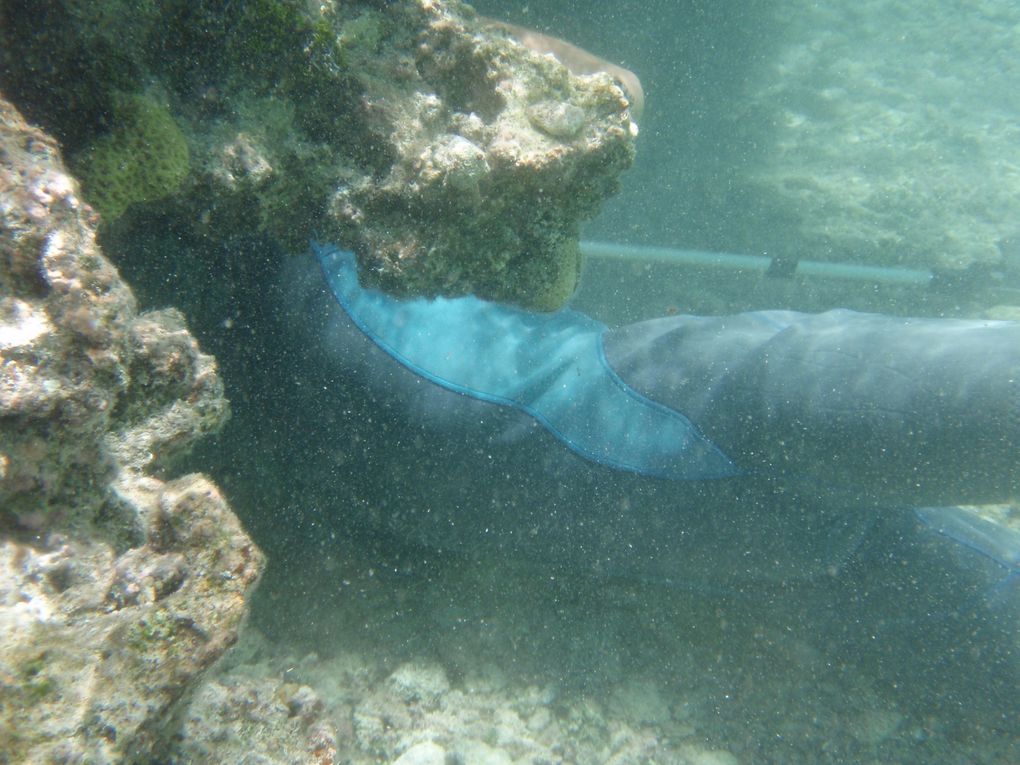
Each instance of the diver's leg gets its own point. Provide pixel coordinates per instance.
(921, 411)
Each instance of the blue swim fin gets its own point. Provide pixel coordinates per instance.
(551, 366)
(994, 545)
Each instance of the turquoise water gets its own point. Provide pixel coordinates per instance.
(875, 133)
(892, 657)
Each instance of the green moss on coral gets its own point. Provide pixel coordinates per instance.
(155, 631)
(359, 39)
(547, 284)
(270, 37)
(36, 683)
(143, 159)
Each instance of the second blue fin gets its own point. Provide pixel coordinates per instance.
(988, 540)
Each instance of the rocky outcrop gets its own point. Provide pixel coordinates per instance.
(118, 587)
(495, 154)
(447, 154)
(905, 160)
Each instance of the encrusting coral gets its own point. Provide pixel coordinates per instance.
(142, 159)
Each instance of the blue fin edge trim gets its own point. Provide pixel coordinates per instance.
(323, 251)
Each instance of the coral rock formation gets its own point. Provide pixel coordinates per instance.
(117, 588)
(497, 155)
(449, 156)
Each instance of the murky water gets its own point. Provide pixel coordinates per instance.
(465, 580)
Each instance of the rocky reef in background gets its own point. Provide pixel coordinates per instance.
(450, 157)
(119, 586)
(907, 159)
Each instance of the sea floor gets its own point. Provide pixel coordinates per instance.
(457, 661)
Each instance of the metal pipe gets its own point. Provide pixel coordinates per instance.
(756, 263)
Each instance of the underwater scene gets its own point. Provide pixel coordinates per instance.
(514, 383)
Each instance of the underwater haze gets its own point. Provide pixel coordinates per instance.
(431, 576)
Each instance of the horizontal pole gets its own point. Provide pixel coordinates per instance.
(755, 263)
